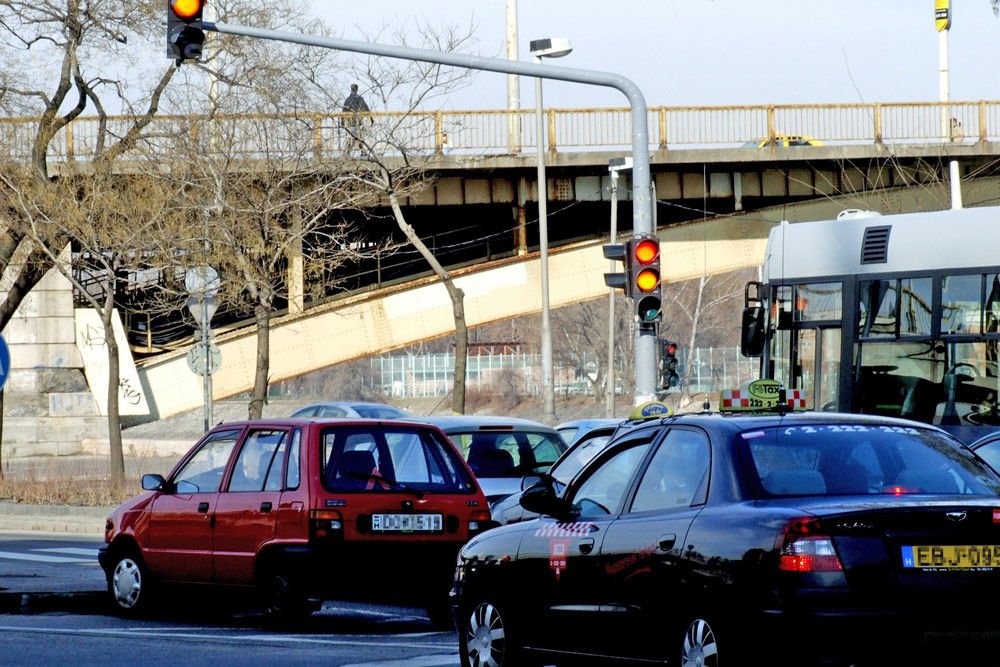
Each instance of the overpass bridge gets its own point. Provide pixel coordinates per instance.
(717, 196)
(379, 321)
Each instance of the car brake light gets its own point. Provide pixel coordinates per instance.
(480, 520)
(323, 523)
(805, 549)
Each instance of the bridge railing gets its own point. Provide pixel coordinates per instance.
(499, 131)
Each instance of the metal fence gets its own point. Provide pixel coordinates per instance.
(485, 132)
(705, 369)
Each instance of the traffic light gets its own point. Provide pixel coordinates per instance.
(618, 252)
(644, 274)
(185, 34)
(668, 364)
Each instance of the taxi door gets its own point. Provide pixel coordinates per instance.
(642, 553)
(179, 546)
(246, 512)
(574, 591)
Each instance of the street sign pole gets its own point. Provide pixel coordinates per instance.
(203, 285)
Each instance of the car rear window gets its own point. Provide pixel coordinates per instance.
(375, 458)
(851, 459)
(379, 412)
(508, 453)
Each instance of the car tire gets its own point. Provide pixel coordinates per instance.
(439, 614)
(283, 599)
(130, 584)
(699, 644)
(486, 639)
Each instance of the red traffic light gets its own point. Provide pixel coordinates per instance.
(671, 349)
(187, 9)
(646, 251)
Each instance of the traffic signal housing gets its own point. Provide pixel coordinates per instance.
(185, 31)
(618, 252)
(644, 255)
(669, 378)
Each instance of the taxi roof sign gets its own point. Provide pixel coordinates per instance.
(761, 395)
(650, 410)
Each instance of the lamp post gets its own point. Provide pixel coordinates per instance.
(545, 48)
(614, 166)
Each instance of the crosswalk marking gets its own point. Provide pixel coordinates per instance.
(74, 551)
(40, 558)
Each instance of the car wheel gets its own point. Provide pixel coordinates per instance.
(699, 647)
(284, 599)
(129, 584)
(485, 639)
(439, 614)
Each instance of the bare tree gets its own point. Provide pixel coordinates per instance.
(56, 55)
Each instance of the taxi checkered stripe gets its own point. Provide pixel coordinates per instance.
(564, 530)
(734, 398)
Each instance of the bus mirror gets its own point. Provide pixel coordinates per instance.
(752, 332)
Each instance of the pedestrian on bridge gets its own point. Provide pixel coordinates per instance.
(354, 104)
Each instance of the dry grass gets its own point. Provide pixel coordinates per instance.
(81, 493)
(84, 483)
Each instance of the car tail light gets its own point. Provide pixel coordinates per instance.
(480, 520)
(804, 548)
(325, 523)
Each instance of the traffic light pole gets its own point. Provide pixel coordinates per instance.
(642, 220)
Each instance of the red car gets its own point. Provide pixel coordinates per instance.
(301, 510)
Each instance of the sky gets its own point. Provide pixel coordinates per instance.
(713, 52)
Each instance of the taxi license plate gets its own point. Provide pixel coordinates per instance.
(406, 523)
(952, 557)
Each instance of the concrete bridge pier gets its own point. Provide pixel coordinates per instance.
(48, 407)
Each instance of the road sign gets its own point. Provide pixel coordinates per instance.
(196, 359)
(4, 362)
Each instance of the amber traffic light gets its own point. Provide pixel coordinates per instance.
(185, 31)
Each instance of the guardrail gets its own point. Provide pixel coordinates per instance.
(494, 132)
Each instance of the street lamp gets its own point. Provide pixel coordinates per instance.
(614, 166)
(545, 48)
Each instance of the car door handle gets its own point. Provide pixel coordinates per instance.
(265, 506)
(586, 545)
(202, 507)
(666, 542)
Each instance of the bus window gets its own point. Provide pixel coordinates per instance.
(818, 301)
(960, 304)
(899, 379)
(915, 306)
(877, 305)
(992, 303)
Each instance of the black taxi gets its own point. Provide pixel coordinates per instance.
(783, 538)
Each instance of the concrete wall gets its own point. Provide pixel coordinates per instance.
(47, 405)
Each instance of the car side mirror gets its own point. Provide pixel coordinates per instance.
(153, 482)
(542, 498)
(529, 481)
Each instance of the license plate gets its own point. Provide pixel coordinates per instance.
(406, 523)
(952, 557)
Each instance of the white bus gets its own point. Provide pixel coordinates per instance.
(888, 315)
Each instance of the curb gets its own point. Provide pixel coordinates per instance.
(20, 517)
(39, 603)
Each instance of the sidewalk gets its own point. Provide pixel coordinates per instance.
(63, 519)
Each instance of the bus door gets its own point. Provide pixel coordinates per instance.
(805, 341)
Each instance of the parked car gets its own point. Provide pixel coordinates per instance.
(365, 409)
(783, 140)
(299, 511)
(988, 447)
(699, 538)
(574, 429)
(500, 450)
(592, 436)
